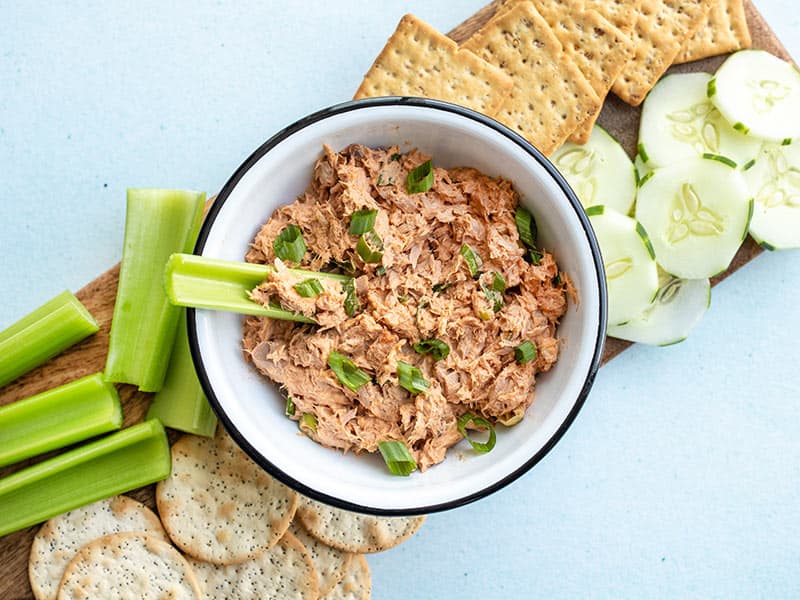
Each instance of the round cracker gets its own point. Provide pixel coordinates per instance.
(129, 566)
(330, 563)
(218, 505)
(285, 571)
(354, 532)
(356, 584)
(58, 541)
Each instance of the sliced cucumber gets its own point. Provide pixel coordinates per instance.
(679, 121)
(774, 182)
(759, 94)
(678, 307)
(599, 171)
(697, 212)
(630, 265)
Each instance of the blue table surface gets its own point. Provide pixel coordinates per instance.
(680, 477)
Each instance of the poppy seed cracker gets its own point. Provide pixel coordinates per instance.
(220, 506)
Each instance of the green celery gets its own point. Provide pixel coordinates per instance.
(58, 417)
(181, 403)
(157, 223)
(42, 334)
(219, 284)
(120, 462)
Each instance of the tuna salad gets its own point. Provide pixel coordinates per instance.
(433, 309)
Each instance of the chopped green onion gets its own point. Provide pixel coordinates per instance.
(440, 287)
(181, 403)
(42, 334)
(512, 419)
(157, 223)
(534, 256)
(525, 352)
(394, 157)
(290, 245)
(309, 288)
(420, 179)
(526, 227)
(362, 221)
(290, 407)
(557, 277)
(437, 348)
(58, 417)
(494, 297)
(351, 303)
(308, 422)
(472, 259)
(398, 458)
(411, 378)
(499, 282)
(380, 270)
(225, 284)
(346, 371)
(370, 247)
(123, 461)
(482, 447)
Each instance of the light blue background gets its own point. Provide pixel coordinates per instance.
(681, 476)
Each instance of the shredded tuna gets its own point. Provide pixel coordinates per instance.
(421, 289)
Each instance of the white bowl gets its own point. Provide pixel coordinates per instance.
(250, 407)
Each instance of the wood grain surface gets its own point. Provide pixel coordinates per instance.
(98, 296)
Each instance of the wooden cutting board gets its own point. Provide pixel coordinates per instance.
(98, 296)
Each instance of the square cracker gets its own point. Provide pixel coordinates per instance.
(550, 96)
(725, 30)
(620, 13)
(598, 48)
(661, 28)
(417, 60)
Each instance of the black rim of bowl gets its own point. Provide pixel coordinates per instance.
(599, 341)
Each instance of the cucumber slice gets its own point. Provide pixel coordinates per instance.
(679, 121)
(599, 171)
(774, 182)
(697, 212)
(630, 265)
(759, 94)
(678, 307)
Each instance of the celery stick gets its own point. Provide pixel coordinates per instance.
(118, 463)
(181, 403)
(223, 285)
(157, 223)
(39, 336)
(53, 419)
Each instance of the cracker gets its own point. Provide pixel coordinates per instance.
(355, 532)
(133, 566)
(661, 28)
(598, 48)
(550, 96)
(285, 571)
(725, 30)
(357, 583)
(330, 564)
(417, 60)
(620, 13)
(220, 506)
(58, 541)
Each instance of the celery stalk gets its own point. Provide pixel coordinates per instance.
(181, 403)
(42, 334)
(157, 223)
(58, 417)
(224, 285)
(118, 463)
